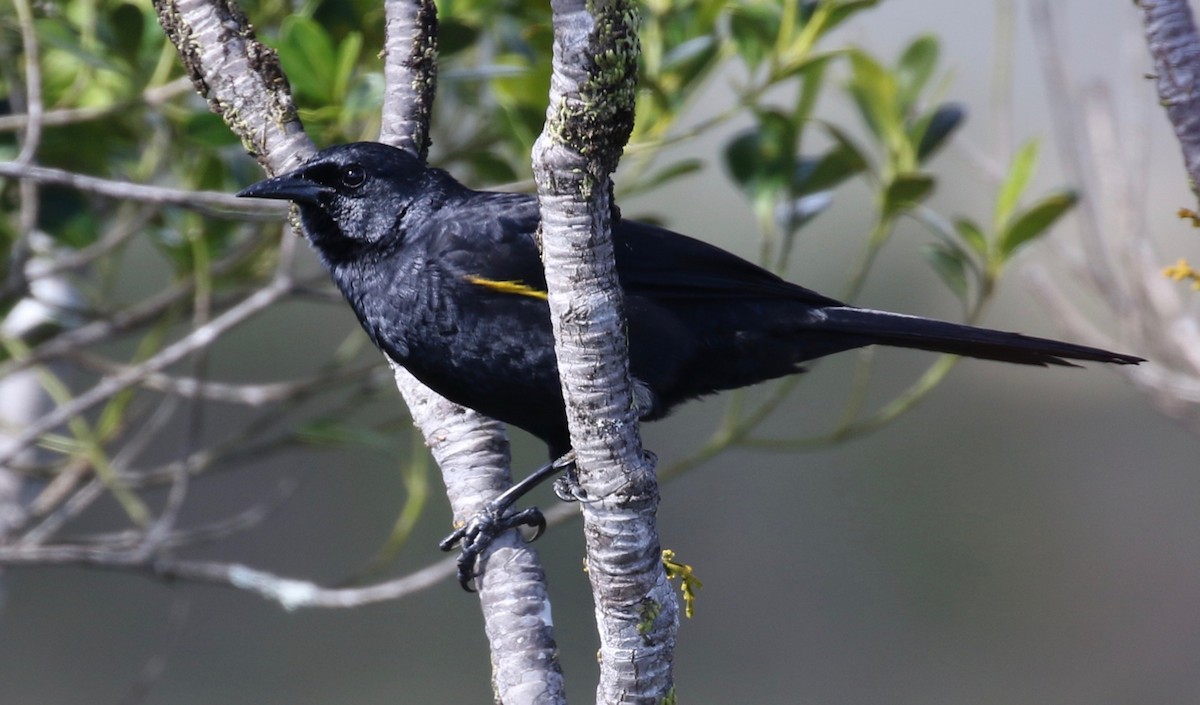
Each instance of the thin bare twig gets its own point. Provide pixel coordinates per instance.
(196, 340)
(210, 203)
(68, 116)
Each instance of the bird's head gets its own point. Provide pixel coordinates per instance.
(351, 193)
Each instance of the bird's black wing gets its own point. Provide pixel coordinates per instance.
(664, 264)
(492, 238)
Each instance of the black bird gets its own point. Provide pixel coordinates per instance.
(447, 281)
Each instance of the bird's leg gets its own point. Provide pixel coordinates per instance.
(496, 517)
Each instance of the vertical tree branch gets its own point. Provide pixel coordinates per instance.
(588, 120)
(1173, 42)
(409, 74)
(471, 450)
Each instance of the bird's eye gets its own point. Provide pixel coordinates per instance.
(353, 176)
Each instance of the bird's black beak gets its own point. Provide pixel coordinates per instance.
(288, 187)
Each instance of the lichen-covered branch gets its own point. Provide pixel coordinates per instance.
(239, 76)
(410, 74)
(588, 121)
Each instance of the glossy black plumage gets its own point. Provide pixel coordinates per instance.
(446, 281)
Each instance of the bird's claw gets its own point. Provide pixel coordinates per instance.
(481, 530)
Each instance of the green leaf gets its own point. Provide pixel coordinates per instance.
(951, 265)
(971, 234)
(843, 11)
(681, 54)
(915, 67)
(762, 160)
(1015, 183)
(454, 36)
(58, 34)
(937, 127)
(840, 162)
(1035, 221)
(127, 24)
(812, 71)
(753, 28)
(209, 130)
(347, 57)
(307, 54)
(906, 191)
(874, 90)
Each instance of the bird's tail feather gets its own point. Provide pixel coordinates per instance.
(899, 330)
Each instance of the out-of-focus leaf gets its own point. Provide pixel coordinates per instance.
(937, 127)
(951, 266)
(1035, 221)
(971, 234)
(491, 169)
(906, 191)
(307, 54)
(686, 52)
(347, 57)
(840, 162)
(57, 34)
(762, 160)
(812, 74)
(1019, 173)
(455, 36)
(797, 212)
(208, 129)
(753, 28)
(843, 11)
(874, 90)
(915, 67)
(127, 24)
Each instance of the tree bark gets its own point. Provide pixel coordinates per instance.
(1175, 46)
(588, 120)
(471, 450)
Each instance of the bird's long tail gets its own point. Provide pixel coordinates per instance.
(899, 330)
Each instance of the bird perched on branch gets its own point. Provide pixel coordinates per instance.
(448, 282)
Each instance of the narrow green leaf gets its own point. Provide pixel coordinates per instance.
(915, 67)
(307, 54)
(970, 233)
(936, 127)
(842, 161)
(1019, 173)
(951, 265)
(753, 28)
(843, 11)
(906, 191)
(874, 90)
(762, 160)
(347, 57)
(812, 73)
(1035, 221)
(127, 25)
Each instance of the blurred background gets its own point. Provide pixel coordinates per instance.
(1021, 535)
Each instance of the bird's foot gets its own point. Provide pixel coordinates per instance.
(482, 529)
(496, 517)
(566, 485)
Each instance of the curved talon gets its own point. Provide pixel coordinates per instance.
(478, 533)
